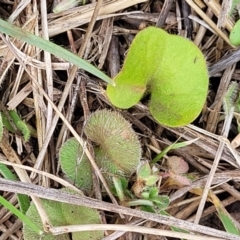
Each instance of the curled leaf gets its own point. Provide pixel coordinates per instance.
(171, 69)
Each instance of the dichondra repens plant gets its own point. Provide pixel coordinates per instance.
(117, 149)
(168, 67)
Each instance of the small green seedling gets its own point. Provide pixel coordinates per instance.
(20, 125)
(168, 67)
(62, 214)
(144, 192)
(117, 150)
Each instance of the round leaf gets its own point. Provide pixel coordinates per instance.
(75, 164)
(168, 67)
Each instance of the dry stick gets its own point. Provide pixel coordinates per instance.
(214, 114)
(223, 63)
(60, 196)
(39, 104)
(18, 10)
(48, 85)
(11, 230)
(216, 9)
(226, 128)
(223, 13)
(79, 16)
(209, 21)
(179, 19)
(186, 11)
(127, 228)
(164, 13)
(212, 209)
(202, 30)
(63, 133)
(117, 234)
(48, 63)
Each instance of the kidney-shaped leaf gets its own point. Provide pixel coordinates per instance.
(169, 67)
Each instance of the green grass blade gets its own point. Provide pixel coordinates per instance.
(19, 214)
(52, 48)
(228, 222)
(23, 200)
(170, 147)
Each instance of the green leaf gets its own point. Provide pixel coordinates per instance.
(229, 223)
(153, 192)
(118, 148)
(23, 200)
(62, 214)
(76, 165)
(140, 202)
(168, 67)
(161, 201)
(119, 188)
(145, 195)
(147, 209)
(144, 171)
(151, 180)
(52, 48)
(31, 225)
(6, 123)
(234, 36)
